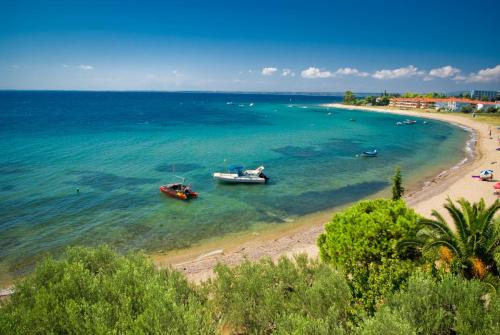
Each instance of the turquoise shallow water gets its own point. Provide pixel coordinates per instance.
(117, 148)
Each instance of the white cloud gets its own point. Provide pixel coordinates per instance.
(269, 71)
(485, 75)
(444, 72)
(459, 77)
(348, 71)
(86, 67)
(402, 72)
(65, 66)
(314, 72)
(287, 72)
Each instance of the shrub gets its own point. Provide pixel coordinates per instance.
(451, 305)
(96, 291)
(467, 109)
(287, 297)
(363, 239)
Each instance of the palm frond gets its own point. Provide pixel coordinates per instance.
(460, 220)
(439, 226)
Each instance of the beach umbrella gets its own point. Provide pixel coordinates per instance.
(496, 186)
(486, 172)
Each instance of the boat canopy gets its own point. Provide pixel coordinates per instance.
(235, 168)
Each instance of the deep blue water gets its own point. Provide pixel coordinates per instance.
(117, 148)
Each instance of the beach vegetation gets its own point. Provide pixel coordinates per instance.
(372, 278)
(349, 98)
(97, 291)
(363, 241)
(397, 184)
(451, 305)
(467, 109)
(296, 296)
(472, 248)
(492, 109)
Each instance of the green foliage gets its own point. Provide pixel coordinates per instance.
(367, 232)
(470, 249)
(375, 101)
(363, 239)
(383, 101)
(286, 297)
(387, 323)
(449, 306)
(349, 98)
(397, 185)
(382, 291)
(467, 109)
(492, 109)
(96, 291)
(424, 95)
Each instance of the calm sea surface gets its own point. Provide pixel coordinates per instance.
(118, 148)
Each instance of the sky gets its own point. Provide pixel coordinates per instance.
(236, 45)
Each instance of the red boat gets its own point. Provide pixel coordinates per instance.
(179, 191)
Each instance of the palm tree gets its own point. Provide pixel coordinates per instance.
(469, 249)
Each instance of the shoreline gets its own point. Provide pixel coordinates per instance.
(197, 262)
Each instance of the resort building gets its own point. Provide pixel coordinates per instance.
(450, 104)
(423, 103)
(490, 95)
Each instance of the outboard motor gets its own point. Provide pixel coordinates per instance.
(262, 175)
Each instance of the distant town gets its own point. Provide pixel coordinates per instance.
(466, 102)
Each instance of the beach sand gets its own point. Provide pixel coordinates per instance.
(198, 262)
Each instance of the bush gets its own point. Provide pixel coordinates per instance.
(387, 323)
(452, 305)
(96, 291)
(286, 297)
(467, 109)
(363, 239)
(492, 109)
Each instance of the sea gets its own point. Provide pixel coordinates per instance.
(84, 168)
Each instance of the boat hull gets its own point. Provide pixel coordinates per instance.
(235, 179)
(176, 194)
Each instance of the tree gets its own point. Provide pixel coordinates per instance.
(492, 109)
(349, 98)
(363, 240)
(370, 100)
(472, 248)
(467, 109)
(397, 185)
(286, 297)
(96, 291)
(383, 101)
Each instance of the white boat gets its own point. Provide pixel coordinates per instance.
(237, 174)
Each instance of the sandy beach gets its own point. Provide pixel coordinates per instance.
(197, 263)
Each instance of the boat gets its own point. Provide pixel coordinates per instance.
(237, 174)
(179, 191)
(407, 121)
(370, 153)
